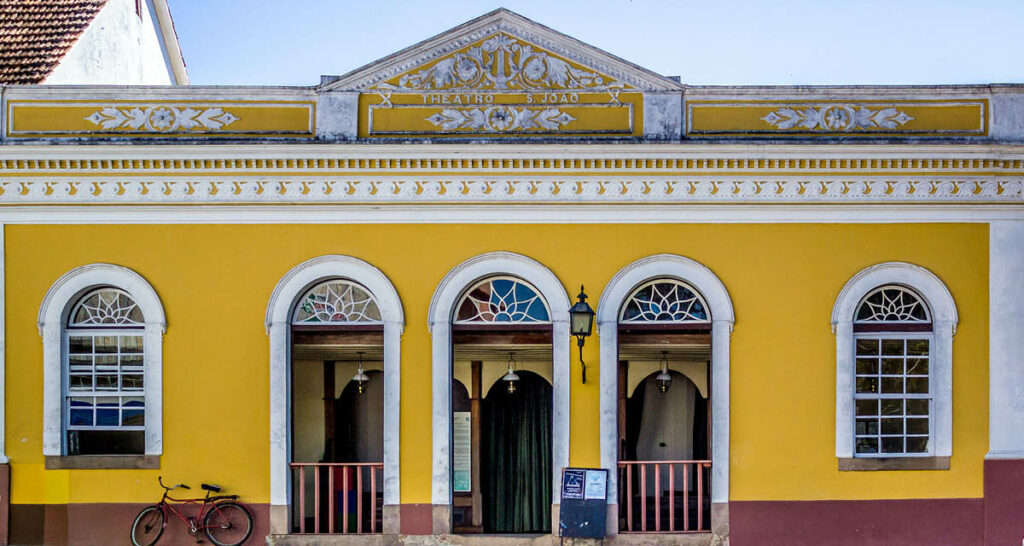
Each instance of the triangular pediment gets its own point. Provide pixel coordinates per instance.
(501, 51)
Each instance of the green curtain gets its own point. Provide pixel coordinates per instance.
(517, 457)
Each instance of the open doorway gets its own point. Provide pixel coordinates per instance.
(664, 409)
(502, 410)
(337, 411)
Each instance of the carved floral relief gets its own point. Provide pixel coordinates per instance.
(162, 119)
(501, 63)
(501, 119)
(837, 117)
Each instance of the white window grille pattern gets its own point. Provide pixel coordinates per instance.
(337, 302)
(502, 300)
(664, 301)
(106, 307)
(892, 304)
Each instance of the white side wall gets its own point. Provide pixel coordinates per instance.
(118, 48)
(1006, 340)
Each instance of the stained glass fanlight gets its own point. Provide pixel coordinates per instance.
(106, 307)
(664, 301)
(892, 304)
(337, 301)
(502, 300)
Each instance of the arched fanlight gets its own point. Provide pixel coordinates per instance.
(511, 378)
(663, 379)
(360, 377)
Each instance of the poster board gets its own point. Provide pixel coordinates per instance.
(462, 459)
(584, 505)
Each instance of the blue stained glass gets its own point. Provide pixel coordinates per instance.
(502, 300)
(107, 417)
(81, 417)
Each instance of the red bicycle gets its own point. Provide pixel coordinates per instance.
(225, 522)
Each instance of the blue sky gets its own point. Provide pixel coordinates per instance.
(293, 42)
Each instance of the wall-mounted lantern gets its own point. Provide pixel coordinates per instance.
(581, 324)
(511, 378)
(663, 379)
(360, 377)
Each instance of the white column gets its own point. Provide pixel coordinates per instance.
(392, 411)
(720, 332)
(1006, 340)
(561, 381)
(844, 389)
(609, 406)
(279, 422)
(442, 400)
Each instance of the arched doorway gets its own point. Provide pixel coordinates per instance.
(501, 448)
(446, 367)
(312, 324)
(337, 409)
(665, 320)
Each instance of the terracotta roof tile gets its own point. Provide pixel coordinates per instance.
(36, 34)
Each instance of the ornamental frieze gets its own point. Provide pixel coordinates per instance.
(840, 118)
(499, 189)
(501, 63)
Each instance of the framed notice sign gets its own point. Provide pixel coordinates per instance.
(584, 509)
(461, 451)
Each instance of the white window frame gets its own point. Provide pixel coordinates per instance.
(939, 302)
(57, 305)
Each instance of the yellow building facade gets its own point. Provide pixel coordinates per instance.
(808, 306)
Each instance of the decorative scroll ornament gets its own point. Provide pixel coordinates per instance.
(502, 63)
(106, 307)
(501, 119)
(892, 304)
(837, 117)
(162, 119)
(337, 302)
(502, 300)
(663, 301)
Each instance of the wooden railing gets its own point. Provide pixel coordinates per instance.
(664, 496)
(339, 496)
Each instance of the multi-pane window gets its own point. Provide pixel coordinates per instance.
(104, 379)
(893, 394)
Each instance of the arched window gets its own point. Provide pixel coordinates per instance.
(502, 300)
(337, 302)
(104, 365)
(892, 388)
(664, 301)
(894, 324)
(102, 327)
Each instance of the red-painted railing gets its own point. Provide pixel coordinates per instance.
(346, 497)
(664, 496)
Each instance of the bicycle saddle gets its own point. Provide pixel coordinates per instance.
(211, 487)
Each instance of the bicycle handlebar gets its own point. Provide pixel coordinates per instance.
(160, 479)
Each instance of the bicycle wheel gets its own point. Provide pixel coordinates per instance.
(228, 524)
(148, 526)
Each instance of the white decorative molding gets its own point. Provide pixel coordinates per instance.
(53, 314)
(440, 315)
(514, 25)
(837, 117)
(278, 324)
(162, 118)
(500, 63)
(944, 321)
(501, 119)
(722, 317)
(504, 188)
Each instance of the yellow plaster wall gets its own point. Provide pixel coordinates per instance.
(215, 281)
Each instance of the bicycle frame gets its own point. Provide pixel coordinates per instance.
(195, 522)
